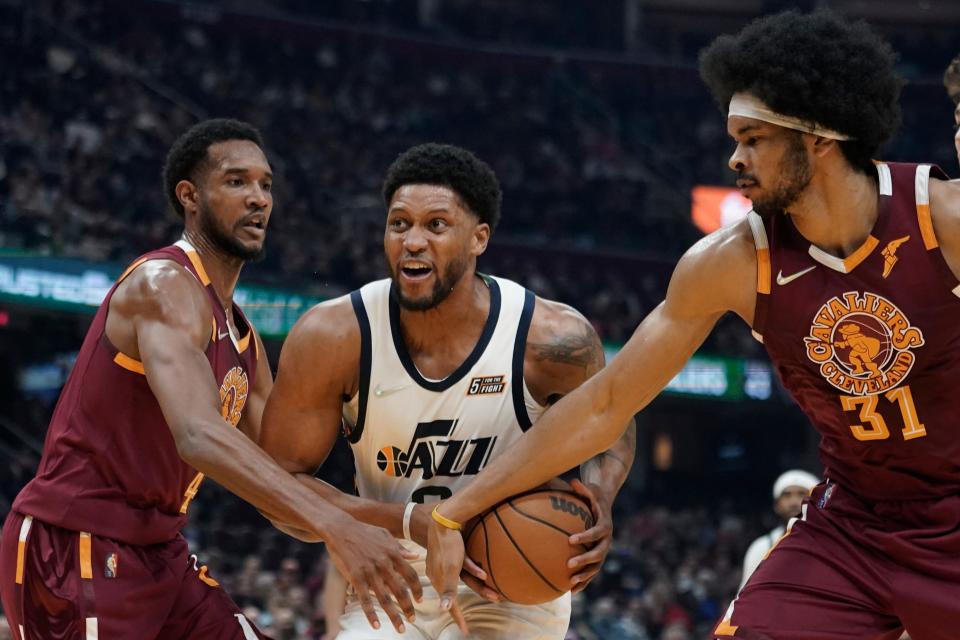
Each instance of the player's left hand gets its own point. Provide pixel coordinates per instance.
(445, 555)
(597, 538)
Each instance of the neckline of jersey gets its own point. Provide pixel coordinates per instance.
(872, 241)
(486, 334)
(239, 344)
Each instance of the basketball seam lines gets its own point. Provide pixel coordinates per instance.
(523, 555)
(486, 549)
(543, 522)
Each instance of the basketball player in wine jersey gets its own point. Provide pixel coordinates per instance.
(847, 271)
(435, 371)
(169, 386)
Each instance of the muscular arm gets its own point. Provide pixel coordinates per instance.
(563, 351)
(945, 212)
(318, 372)
(160, 316)
(716, 275)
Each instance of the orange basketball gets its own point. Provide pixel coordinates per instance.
(522, 544)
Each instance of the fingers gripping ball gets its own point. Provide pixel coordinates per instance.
(522, 544)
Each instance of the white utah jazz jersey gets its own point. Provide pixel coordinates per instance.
(419, 440)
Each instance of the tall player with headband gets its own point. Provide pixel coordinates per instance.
(840, 258)
(436, 371)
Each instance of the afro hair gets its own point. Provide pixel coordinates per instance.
(817, 67)
(445, 165)
(189, 152)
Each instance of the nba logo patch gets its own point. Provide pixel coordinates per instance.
(110, 566)
(825, 498)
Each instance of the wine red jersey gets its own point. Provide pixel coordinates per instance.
(869, 345)
(110, 464)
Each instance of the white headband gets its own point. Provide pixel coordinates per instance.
(794, 478)
(749, 106)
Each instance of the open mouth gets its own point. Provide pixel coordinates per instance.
(416, 270)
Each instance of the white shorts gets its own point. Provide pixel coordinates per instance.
(486, 620)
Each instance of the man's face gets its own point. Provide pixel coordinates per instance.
(235, 198)
(788, 504)
(430, 242)
(771, 164)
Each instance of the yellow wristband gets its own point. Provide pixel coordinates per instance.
(446, 522)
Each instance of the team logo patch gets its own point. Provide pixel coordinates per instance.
(434, 452)
(825, 498)
(487, 385)
(233, 395)
(890, 254)
(110, 566)
(862, 343)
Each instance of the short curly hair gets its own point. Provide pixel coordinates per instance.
(817, 67)
(189, 152)
(445, 165)
(951, 80)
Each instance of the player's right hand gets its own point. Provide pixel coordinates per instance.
(372, 561)
(445, 554)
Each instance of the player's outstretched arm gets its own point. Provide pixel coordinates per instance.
(563, 351)
(945, 212)
(167, 318)
(716, 275)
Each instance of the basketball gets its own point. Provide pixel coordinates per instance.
(522, 544)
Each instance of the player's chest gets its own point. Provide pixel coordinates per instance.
(860, 336)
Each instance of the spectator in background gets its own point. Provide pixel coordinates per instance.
(789, 490)
(951, 80)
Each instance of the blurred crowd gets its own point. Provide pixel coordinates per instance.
(595, 159)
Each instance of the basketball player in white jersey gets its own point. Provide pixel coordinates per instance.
(435, 371)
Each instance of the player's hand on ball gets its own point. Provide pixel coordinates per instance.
(445, 555)
(475, 578)
(372, 561)
(598, 538)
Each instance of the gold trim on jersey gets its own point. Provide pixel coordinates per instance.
(763, 252)
(130, 269)
(129, 363)
(22, 547)
(851, 262)
(194, 258)
(86, 555)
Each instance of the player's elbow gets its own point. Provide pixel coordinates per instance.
(194, 444)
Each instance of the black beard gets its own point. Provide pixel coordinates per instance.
(442, 288)
(222, 240)
(795, 176)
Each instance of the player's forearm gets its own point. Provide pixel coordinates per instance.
(381, 514)
(579, 426)
(609, 469)
(232, 460)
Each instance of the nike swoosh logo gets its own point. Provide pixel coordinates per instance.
(381, 391)
(221, 336)
(782, 281)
